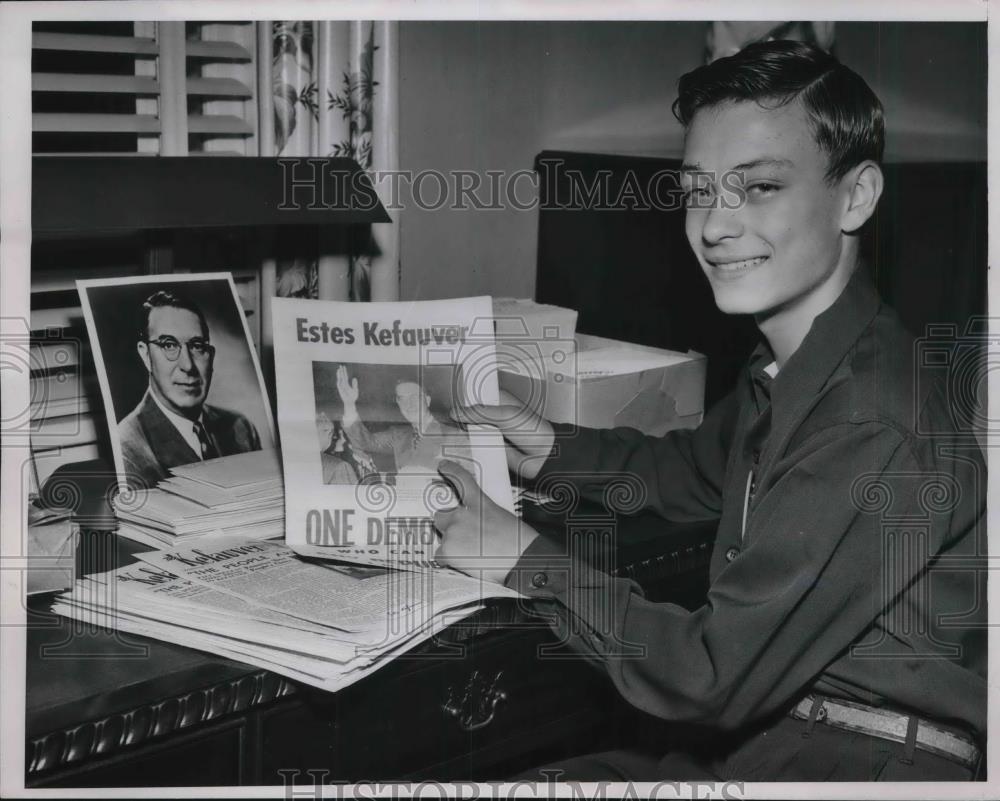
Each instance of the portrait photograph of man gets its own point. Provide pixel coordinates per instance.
(178, 371)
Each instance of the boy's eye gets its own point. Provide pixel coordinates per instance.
(762, 189)
(698, 197)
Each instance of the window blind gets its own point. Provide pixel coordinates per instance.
(166, 88)
(121, 88)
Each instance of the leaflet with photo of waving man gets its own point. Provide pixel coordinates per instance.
(365, 393)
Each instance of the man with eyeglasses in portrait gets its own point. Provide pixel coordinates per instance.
(173, 425)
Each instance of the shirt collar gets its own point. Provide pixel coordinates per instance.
(183, 424)
(762, 370)
(832, 334)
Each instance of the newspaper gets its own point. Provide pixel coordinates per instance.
(365, 392)
(348, 598)
(321, 623)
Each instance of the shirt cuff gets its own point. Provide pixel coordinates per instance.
(542, 571)
(586, 606)
(572, 450)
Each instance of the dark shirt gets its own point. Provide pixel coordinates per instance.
(850, 564)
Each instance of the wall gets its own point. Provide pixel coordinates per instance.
(931, 79)
(490, 96)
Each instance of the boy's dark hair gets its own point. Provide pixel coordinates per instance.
(845, 113)
(162, 298)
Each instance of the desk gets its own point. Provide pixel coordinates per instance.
(477, 702)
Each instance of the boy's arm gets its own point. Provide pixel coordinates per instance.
(681, 473)
(809, 581)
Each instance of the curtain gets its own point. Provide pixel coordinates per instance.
(334, 93)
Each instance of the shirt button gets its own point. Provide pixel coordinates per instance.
(732, 553)
(539, 580)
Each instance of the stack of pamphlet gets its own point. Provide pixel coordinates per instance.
(241, 494)
(323, 624)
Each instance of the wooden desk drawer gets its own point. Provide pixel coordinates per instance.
(468, 716)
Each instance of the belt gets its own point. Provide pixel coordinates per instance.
(889, 725)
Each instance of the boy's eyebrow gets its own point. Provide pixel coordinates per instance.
(766, 161)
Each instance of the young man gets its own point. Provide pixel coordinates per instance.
(172, 425)
(844, 635)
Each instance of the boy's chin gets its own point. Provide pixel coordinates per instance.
(731, 301)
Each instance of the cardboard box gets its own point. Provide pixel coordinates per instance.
(525, 329)
(606, 383)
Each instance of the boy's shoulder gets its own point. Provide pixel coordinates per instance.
(884, 379)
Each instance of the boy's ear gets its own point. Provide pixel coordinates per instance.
(864, 188)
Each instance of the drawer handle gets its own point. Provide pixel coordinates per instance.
(475, 706)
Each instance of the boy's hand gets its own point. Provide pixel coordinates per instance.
(477, 536)
(528, 437)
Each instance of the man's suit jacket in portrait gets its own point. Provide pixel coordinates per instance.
(151, 444)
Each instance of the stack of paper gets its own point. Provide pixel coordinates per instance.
(241, 494)
(324, 624)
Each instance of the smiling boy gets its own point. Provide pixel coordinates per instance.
(843, 636)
